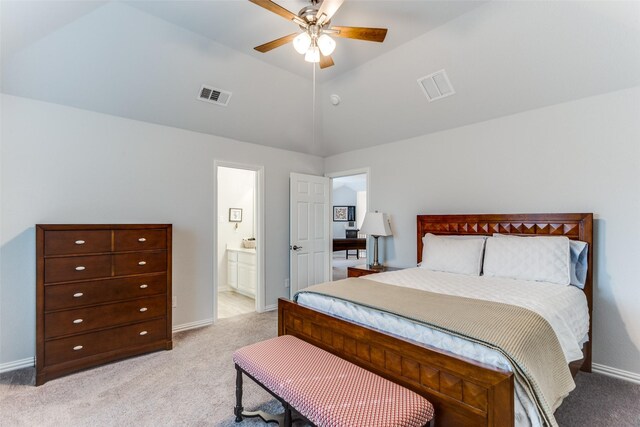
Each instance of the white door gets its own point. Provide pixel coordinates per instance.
(309, 234)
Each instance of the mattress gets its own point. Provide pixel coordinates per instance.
(564, 307)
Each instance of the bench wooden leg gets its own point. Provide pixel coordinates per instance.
(238, 408)
(287, 416)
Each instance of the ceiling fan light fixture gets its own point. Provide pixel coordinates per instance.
(301, 43)
(312, 55)
(326, 44)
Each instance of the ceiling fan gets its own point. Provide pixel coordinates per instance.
(314, 20)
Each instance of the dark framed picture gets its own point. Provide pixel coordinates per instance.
(235, 215)
(344, 213)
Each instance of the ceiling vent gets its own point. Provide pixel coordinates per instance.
(436, 86)
(214, 96)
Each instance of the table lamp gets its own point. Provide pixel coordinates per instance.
(376, 224)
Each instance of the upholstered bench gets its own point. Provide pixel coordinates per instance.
(325, 389)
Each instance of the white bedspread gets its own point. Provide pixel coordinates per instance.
(564, 307)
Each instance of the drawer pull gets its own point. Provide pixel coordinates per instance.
(78, 294)
(142, 239)
(78, 347)
(77, 321)
(144, 286)
(143, 309)
(143, 333)
(80, 268)
(79, 242)
(142, 262)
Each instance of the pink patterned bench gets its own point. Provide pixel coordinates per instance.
(325, 389)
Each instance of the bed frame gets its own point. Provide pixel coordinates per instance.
(464, 392)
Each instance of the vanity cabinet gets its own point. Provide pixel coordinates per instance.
(241, 271)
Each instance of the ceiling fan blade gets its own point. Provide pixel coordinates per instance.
(325, 61)
(276, 8)
(361, 33)
(328, 8)
(275, 43)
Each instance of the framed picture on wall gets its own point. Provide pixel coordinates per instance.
(344, 213)
(235, 215)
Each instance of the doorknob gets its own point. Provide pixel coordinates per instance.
(295, 247)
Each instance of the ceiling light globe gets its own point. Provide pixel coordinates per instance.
(326, 44)
(301, 43)
(313, 54)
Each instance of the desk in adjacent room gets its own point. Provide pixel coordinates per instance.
(350, 244)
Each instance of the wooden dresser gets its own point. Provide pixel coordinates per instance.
(103, 293)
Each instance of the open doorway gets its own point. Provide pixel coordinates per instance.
(349, 195)
(238, 261)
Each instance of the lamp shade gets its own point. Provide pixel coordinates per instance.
(326, 44)
(301, 43)
(376, 224)
(313, 54)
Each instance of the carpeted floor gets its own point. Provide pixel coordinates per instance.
(340, 263)
(193, 385)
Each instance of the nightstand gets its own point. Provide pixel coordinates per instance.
(363, 270)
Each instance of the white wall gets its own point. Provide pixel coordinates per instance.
(236, 189)
(64, 165)
(581, 156)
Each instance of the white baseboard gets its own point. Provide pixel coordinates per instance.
(18, 364)
(192, 325)
(616, 373)
(271, 307)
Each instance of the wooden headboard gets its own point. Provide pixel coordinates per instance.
(576, 226)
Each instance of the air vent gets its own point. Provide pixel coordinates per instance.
(214, 96)
(436, 86)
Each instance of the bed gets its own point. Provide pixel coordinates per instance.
(464, 391)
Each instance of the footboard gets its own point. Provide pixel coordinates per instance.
(462, 391)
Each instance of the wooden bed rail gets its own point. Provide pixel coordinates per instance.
(463, 392)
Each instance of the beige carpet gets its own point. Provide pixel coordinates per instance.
(193, 385)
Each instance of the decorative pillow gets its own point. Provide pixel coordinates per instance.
(540, 258)
(579, 260)
(453, 254)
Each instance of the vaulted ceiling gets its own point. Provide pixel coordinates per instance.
(146, 60)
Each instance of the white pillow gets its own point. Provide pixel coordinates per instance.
(452, 254)
(539, 258)
(579, 260)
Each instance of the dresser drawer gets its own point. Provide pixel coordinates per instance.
(84, 319)
(140, 263)
(73, 295)
(76, 268)
(83, 345)
(76, 242)
(140, 239)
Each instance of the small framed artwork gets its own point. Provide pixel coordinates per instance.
(235, 215)
(344, 213)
